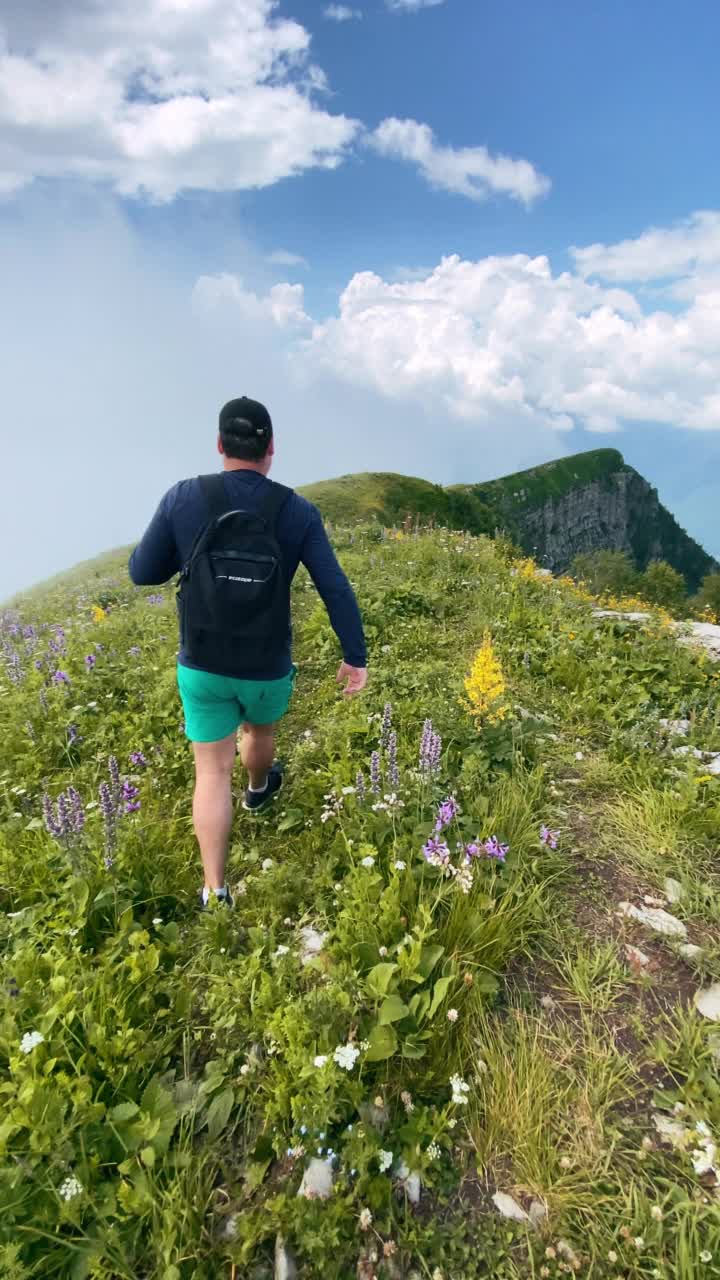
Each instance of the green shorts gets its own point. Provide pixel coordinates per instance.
(215, 705)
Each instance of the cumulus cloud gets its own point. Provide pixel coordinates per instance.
(161, 96)
(661, 252)
(282, 306)
(341, 13)
(468, 171)
(504, 339)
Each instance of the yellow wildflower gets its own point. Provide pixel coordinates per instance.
(705, 777)
(485, 685)
(99, 615)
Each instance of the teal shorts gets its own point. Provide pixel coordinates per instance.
(215, 705)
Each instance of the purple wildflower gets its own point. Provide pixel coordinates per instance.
(130, 795)
(375, 776)
(63, 814)
(138, 759)
(360, 789)
(430, 751)
(77, 812)
(90, 661)
(386, 725)
(393, 771)
(39, 664)
(61, 677)
(472, 850)
(549, 838)
(134, 651)
(108, 862)
(436, 852)
(494, 849)
(73, 734)
(115, 780)
(42, 699)
(156, 598)
(30, 730)
(107, 808)
(445, 814)
(51, 820)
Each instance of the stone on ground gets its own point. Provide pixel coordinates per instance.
(707, 1002)
(654, 918)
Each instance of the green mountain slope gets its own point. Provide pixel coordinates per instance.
(587, 502)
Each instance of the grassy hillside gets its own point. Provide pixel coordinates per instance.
(467, 1022)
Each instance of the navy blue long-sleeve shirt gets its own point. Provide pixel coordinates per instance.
(182, 513)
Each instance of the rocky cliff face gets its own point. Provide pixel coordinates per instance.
(619, 511)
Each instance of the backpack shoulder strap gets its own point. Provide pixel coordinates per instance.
(213, 490)
(273, 502)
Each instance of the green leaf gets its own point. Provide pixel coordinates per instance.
(383, 1043)
(392, 1009)
(124, 1111)
(419, 1005)
(293, 818)
(380, 977)
(413, 1047)
(440, 990)
(429, 957)
(219, 1112)
(147, 1155)
(159, 1107)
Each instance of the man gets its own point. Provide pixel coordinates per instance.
(251, 684)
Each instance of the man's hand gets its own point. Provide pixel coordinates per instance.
(355, 678)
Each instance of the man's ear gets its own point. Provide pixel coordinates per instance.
(220, 445)
(271, 448)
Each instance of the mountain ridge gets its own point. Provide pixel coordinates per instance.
(554, 511)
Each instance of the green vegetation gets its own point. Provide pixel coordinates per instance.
(167, 1078)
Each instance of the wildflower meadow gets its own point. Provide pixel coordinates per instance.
(463, 1020)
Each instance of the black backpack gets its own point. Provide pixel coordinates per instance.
(233, 593)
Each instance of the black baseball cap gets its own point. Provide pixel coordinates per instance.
(247, 420)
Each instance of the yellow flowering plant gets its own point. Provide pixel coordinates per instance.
(485, 686)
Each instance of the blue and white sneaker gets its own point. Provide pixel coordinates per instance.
(223, 898)
(254, 801)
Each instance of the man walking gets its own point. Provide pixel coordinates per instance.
(237, 538)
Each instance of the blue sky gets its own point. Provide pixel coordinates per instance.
(505, 218)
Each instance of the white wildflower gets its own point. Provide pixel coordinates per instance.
(245, 1068)
(434, 1151)
(656, 1213)
(267, 864)
(282, 950)
(460, 1090)
(706, 1256)
(406, 1099)
(385, 1159)
(70, 1189)
(452, 1015)
(612, 1256)
(30, 1041)
(437, 1274)
(365, 1219)
(364, 1045)
(346, 1055)
(369, 861)
(452, 1123)
(348, 791)
(463, 878)
(157, 919)
(639, 1242)
(382, 951)
(400, 865)
(320, 1060)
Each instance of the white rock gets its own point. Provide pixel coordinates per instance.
(714, 1046)
(312, 943)
(509, 1208)
(680, 728)
(707, 1002)
(689, 951)
(629, 615)
(688, 751)
(713, 765)
(285, 1265)
(537, 1212)
(409, 1183)
(654, 918)
(672, 1131)
(636, 956)
(673, 889)
(317, 1183)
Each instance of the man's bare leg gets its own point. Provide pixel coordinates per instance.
(257, 752)
(213, 805)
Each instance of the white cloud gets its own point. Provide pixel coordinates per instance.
(283, 258)
(503, 340)
(282, 306)
(160, 96)
(411, 6)
(341, 13)
(469, 171)
(685, 249)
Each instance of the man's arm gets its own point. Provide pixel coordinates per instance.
(156, 557)
(335, 591)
